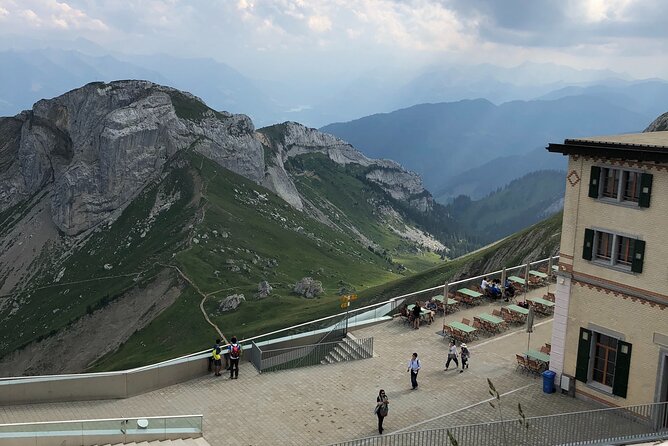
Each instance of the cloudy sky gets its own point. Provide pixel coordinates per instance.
(265, 38)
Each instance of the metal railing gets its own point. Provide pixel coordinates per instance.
(354, 317)
(645, 422)
(308, 355)
(99, 431)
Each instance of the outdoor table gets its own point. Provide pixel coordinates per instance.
(540, 300)
(541, 305)
(469, 296)
(538, 356)
(423, 311)
(462, 332)
(517, 313)
(538, 274)
(555, 268)
(449, 305)
(490, 322)
(517, 280)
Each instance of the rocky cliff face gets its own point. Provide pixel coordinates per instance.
(660, 124)
(97, 146)
(291, 139)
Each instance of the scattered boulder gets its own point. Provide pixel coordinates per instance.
(264, 289)
(308, 288)
(231, 302)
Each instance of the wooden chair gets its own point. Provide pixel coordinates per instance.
(497, 313)
(545, 350)
(477, 324)
(549, 296)
(466, 321)
(521, 363)
(447, 330)
(534, 366)
(548, 348)
(507, 315)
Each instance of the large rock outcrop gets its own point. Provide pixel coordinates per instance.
(98, 145)
(292, 139)
(660, 124)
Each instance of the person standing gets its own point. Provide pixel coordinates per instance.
(234, 350)
(452, 355)
(417, 312)
(414, 368)
(464, 353)
(216, 356)
(381, 409)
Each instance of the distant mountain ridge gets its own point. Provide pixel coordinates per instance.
(440, 141)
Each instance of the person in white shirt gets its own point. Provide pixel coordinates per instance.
(452, 355)
(484, 285)
(414, 368)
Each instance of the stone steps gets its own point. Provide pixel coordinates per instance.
(346, 350)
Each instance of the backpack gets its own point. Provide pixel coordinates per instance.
(216, 353)
(235, 351)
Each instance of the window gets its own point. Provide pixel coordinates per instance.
(605, 355)
(604, 241)
(603, 361)
(631, 186)
(610, 182)
(615, 250)
(620, 186)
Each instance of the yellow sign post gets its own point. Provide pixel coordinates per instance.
(345, 303)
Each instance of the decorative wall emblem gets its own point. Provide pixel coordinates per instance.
(573, 178)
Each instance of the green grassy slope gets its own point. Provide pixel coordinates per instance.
(68, 288)
(246, 235)
(507, 210)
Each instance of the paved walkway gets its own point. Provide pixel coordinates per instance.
(326, 404)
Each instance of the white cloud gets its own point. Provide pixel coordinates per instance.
(50, 14)
(319, 23)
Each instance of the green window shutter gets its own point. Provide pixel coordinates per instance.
(582, 366)
(588, 244)
(594, 179)
(622, 367)
(638, 256)
(645, 190)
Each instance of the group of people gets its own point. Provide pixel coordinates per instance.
(414, 367)
(234, 352)
(415, 314)
(493, 289)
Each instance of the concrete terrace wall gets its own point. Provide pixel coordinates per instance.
(100, 386)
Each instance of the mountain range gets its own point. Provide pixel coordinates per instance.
(125, 206)
(36, 69)
(473, 147)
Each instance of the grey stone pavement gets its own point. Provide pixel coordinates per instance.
(332, 403)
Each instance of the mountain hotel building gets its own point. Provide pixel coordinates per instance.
(611, 316)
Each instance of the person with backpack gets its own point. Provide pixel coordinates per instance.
(464, 354)
(234, 350)
(216, 356)
(381, 409)
(414, 367)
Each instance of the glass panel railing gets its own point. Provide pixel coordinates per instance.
(127, 429)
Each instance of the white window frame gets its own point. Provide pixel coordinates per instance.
(612, 263)
(620, 187)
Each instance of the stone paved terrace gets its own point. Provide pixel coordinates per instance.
(332, 403)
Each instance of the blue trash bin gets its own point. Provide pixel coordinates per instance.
(548, 381)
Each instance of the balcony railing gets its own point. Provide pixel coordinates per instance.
(647, 422)
(101, 431)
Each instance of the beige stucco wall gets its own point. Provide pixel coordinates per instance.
(648, 224)
(636, 321)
